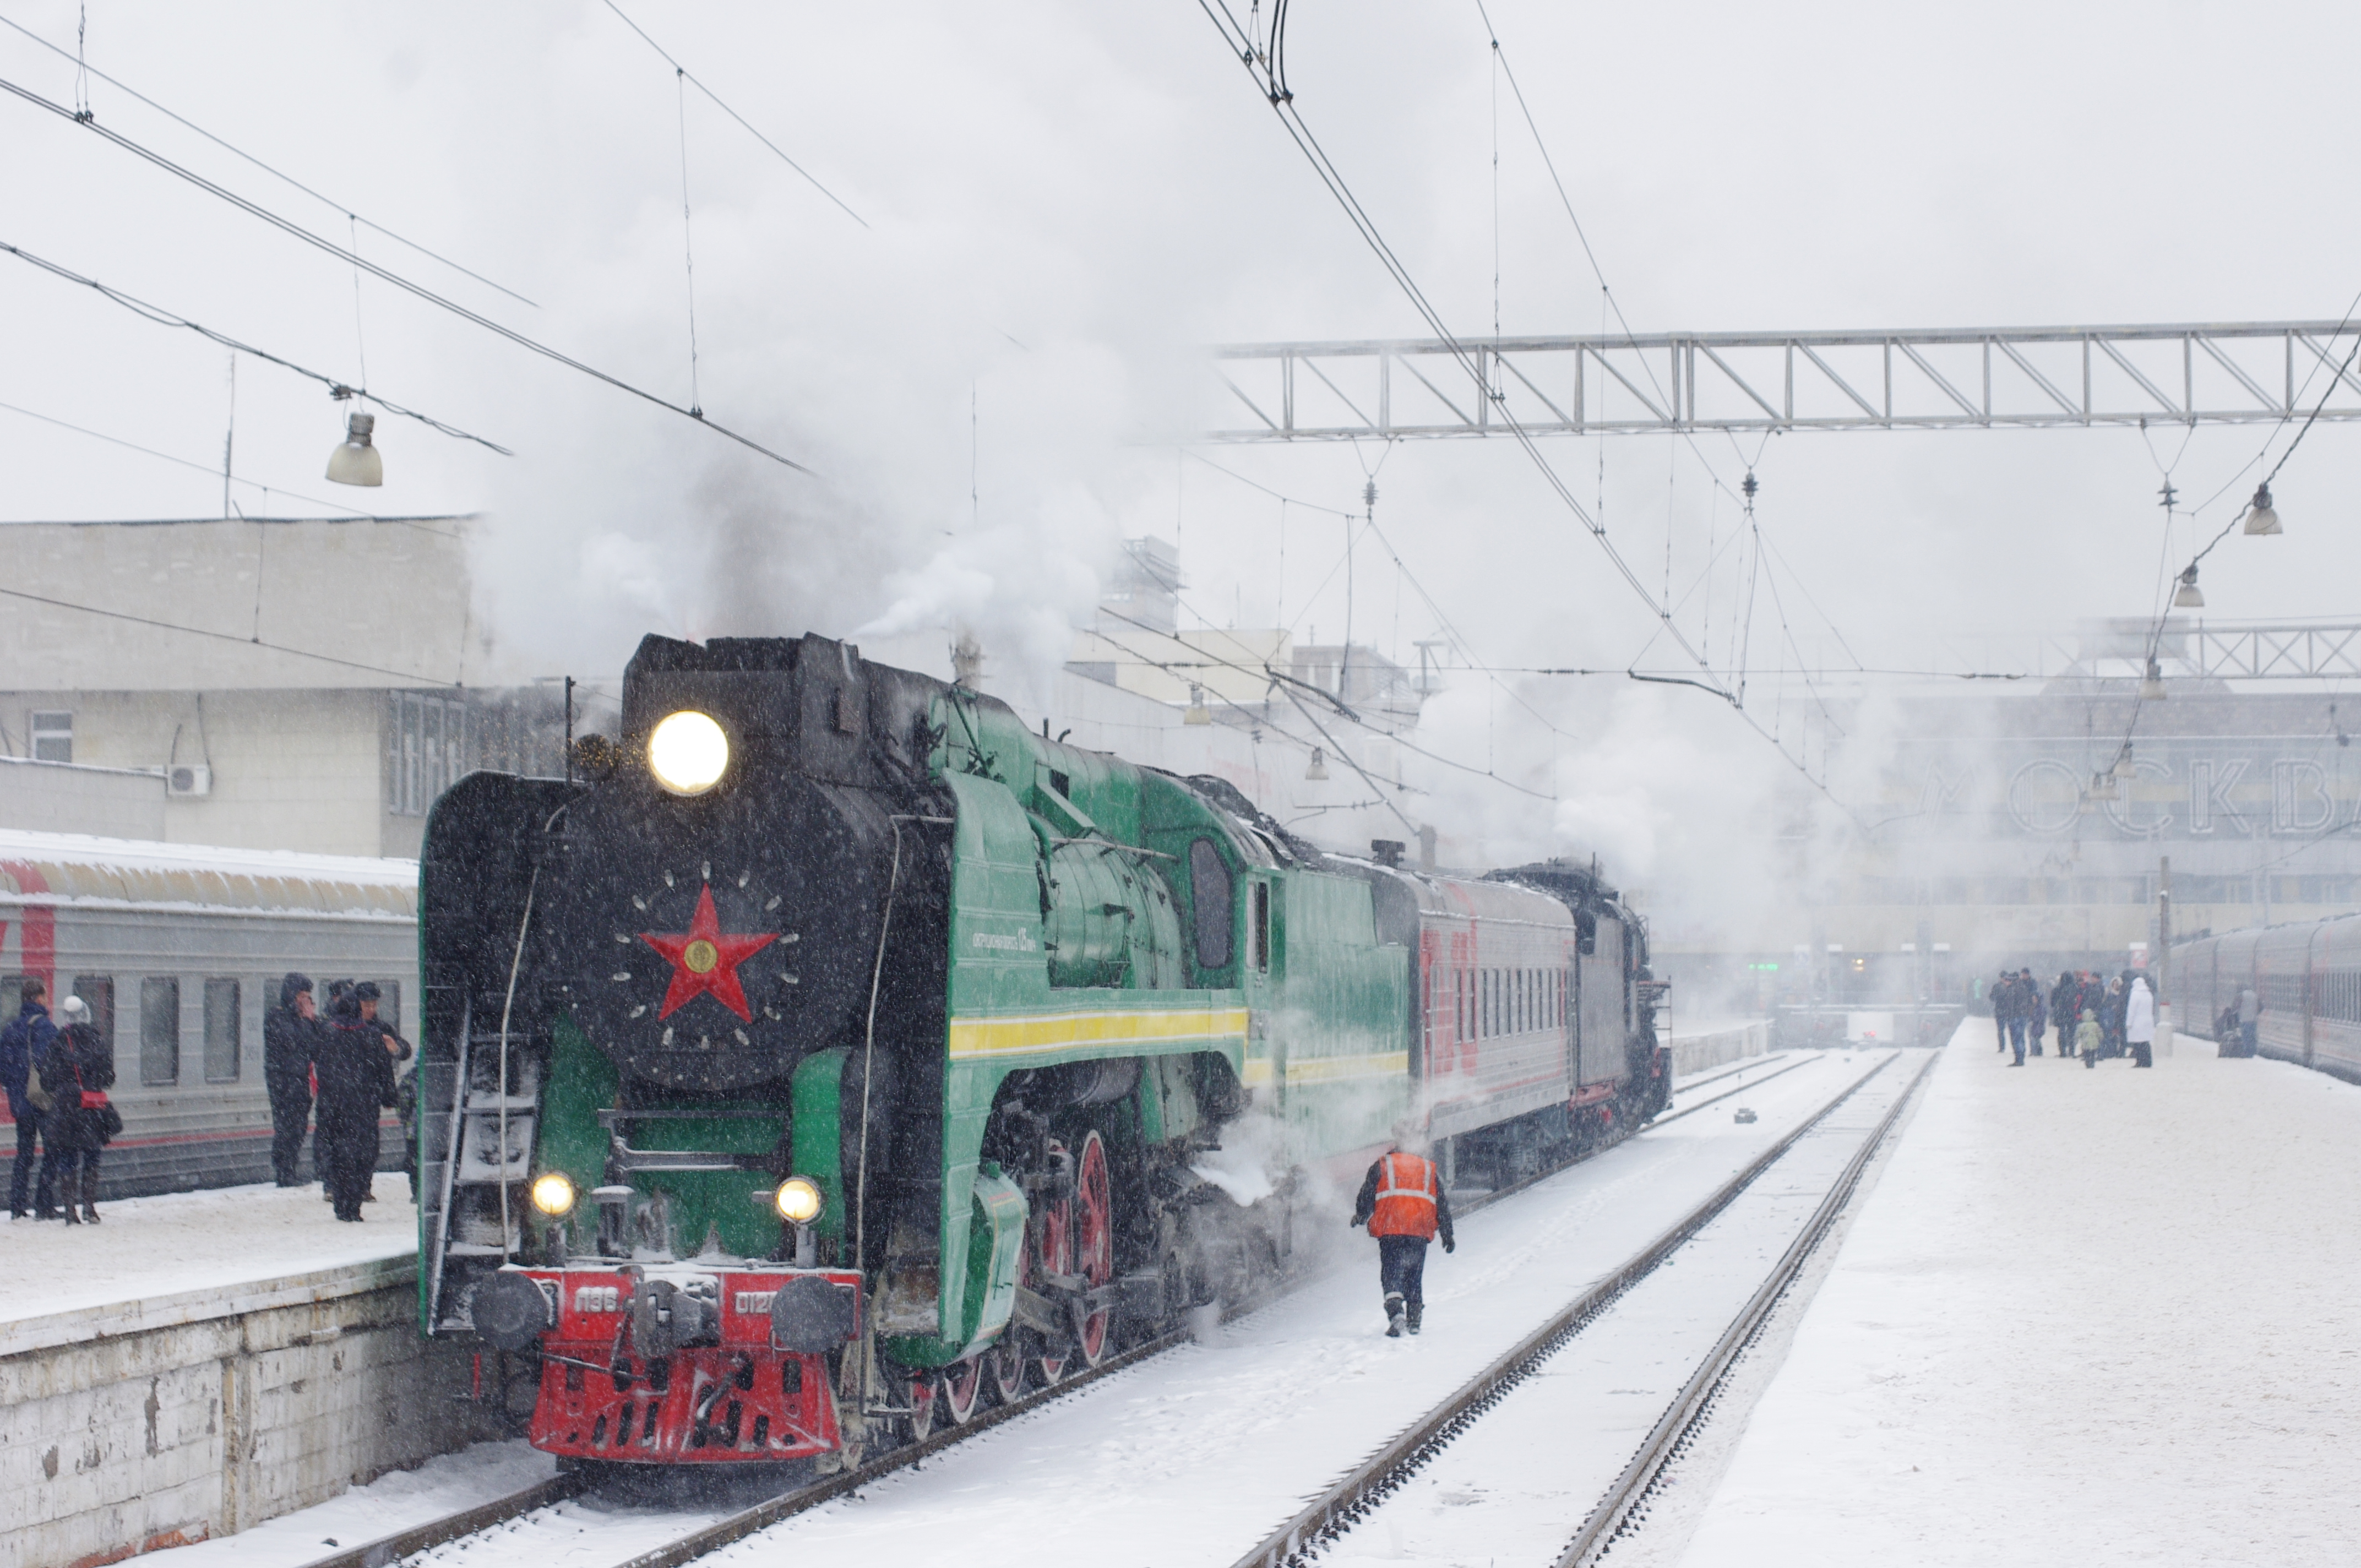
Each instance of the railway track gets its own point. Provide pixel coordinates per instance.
(1314, 1523)
(1358, 1498)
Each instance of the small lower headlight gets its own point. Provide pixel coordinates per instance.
(797, 1200)
(554, 1193)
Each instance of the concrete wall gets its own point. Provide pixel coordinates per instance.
(63, 797)
(1712, 1047)
(130, 1428)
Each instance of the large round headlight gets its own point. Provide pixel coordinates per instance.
(687, 752)
(554, 1193)
(797, 1200)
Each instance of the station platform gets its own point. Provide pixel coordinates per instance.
(2085, 1316)
(198, 1362)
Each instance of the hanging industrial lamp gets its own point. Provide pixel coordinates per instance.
(1197, 712)
(2189, 595)
(2261, 517)
(357, 462)
(2152, 688)
(2103, 787)
(1318, 771)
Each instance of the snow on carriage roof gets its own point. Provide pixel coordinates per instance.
(82, 871)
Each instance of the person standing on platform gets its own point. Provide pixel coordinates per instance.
(24, 1044)
(78, 1072)
(291, 1032)
(2003, 990)
(2086, 1038)
(356, 1083)
(2037, 1007)
(2064, 1009)
(2250, 1013)
(1403, 1204)
(2140, 1020)
(405, 1087)
(2110, 1018)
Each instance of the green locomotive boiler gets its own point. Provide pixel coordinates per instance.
(831, 1055)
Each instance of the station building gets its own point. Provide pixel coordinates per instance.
(285, 684)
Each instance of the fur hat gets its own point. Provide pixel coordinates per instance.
(74, 1010)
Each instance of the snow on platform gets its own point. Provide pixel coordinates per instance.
(183, 1255)
(2086, 1316)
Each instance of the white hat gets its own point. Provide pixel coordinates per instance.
(74, 1010)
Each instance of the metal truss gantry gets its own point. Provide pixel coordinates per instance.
(1949, 378)
(2186, 646)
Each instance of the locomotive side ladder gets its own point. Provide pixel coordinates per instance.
(472, 1177)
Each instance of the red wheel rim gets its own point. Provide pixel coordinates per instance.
(961, 1383)
(1053, 1246)
(1093, 1237)
(1004, 1365)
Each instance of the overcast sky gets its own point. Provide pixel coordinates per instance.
(1061, 202)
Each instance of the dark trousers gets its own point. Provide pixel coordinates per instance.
(28, 1129)
(347, 1151)
(290, 1109)
(1402, 1268)
(2017, 1036)
(2140, 1056)
(2247, 1039)
(69, 1170)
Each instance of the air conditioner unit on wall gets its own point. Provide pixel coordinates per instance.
(189, 780)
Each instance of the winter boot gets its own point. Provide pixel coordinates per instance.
(90, 1197)
(71, 1215)
(1393, 1315)
(1412, 1312)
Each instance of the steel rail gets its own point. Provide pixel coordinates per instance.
(1370, 1480)
(387, 1550)
(1609, 1519)
(1732, 1092)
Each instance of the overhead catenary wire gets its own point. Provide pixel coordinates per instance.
(204, 468)
(163, 317)
(82, 110)
(1259, 66)
(689, 77)
(418, 290)
(224, 637)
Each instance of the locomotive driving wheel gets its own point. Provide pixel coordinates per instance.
(959, 1389)
(1091, 1238)
(1052, 1257)
(1004, 1369)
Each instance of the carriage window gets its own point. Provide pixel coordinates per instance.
(159, 1030)
(98, 989)
(222, 1020)
(12, 996)
(1208, 895)
(1262, 925)
(389, 1007)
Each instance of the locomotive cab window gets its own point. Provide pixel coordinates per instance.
(1210, 898)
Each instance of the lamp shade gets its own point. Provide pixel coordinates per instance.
(1318, 771)
(356, 461)
(2152, 688)
(2189, 595)
(2260, 516)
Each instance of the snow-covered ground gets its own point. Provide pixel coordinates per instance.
(403, 1500)
(1191, 1457)
(1517, 1484)
(2085, 1317)
(144, 1248)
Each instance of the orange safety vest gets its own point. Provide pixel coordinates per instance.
(1408, 1185)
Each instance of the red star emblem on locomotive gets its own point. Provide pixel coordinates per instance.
(704, 962)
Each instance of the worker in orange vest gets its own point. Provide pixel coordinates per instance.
(1403, 1204)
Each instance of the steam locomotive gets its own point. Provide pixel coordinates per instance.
(831, 1055)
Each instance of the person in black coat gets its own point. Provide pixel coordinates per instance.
(356, 1084)
(24, 1044)
(291, 1032)
(77, 1073)
(405, 1083)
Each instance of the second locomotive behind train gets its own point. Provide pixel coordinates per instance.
(836, 1054)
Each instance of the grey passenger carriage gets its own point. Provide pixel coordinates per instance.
(179, 949)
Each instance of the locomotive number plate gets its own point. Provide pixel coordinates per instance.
(599, 1299)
